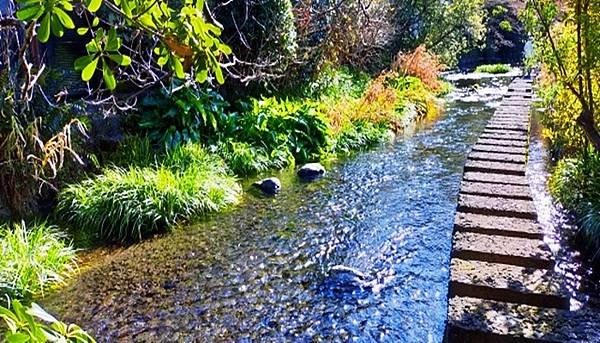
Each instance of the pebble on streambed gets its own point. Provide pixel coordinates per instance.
(311, 171)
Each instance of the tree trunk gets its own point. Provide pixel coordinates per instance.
(586, 121)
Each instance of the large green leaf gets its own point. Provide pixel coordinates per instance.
(44, 28)
(30, 12)
(109, 77)
(122, 60)
(17, 338)
(89, 70)
(82, 62)
(93, 5)
(64, 18)
(56, 27)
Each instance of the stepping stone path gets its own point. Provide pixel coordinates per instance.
(502, 284)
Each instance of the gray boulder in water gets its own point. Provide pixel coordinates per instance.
(311, 171)
(270, 186)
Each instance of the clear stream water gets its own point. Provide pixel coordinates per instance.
(261, 271)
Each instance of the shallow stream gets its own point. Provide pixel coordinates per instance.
(261, 272)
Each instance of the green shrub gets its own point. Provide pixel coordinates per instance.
(575, 183)
(33, 259)
(186, 115)
(296, 126)
(493, 68)
(337, 83)
(129, 204)
(245, 159)
(36, 325)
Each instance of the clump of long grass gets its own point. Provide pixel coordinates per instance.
(493, 68)
(575, 183)
(128, 204)
(33, 259)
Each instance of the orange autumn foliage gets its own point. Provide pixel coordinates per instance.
(422, 64)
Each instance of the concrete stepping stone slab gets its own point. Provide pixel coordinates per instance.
(502, 142)
(512, 109)
(506, 132)
(504, 120)
(495, 178)
(521, 95)
(499, 226)
(473, 320)
(518, 126)
(503, 282)
(500, 149)
(502, 116)
(496, 206)
(523, 252)
(513, 127)
(509, 136)
(498, 190)
(495, 167)
(511, 119)
(497, 157)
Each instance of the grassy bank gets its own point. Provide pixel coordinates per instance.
(493, 68)
(189, 149)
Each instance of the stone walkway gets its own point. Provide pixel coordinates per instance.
(502, 284)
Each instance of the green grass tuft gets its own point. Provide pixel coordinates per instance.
(33, 259)
(128, 204)
(493, 68)
(575, 183)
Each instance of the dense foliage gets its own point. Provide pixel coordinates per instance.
(567, 44)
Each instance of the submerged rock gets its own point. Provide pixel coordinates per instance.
(311, 171)
(346, 278)
(269, 186)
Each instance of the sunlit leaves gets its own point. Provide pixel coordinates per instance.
(53, 14)
(104, 48)
(37, 325)
(189, 45)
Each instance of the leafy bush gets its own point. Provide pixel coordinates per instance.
(296, 126)
(337, 83)
(129, 204)
(36, 325)
(33, 259)
(245, 159)
(186, 115)
(421, 64)
(493, 68)
(575, 182)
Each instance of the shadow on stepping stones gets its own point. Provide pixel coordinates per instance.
(311, 171)
(269, 186)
